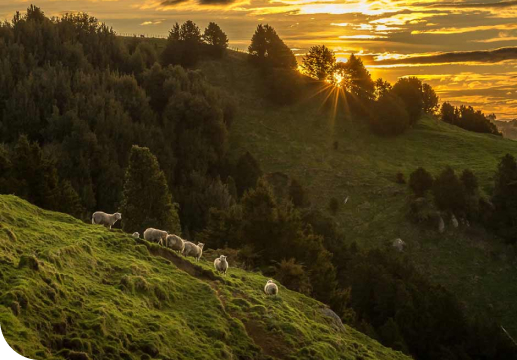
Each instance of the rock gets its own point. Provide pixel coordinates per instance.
(334, 319)
(441, 225)
(399, 244)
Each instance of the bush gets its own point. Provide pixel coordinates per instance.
(400, 178)
(420, 181)
(293, 276)
(449, 192)
(333, 205)
(389, 116)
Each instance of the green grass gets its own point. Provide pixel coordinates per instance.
(297, 140)
(70, 290)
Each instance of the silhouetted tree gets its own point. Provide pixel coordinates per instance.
(216, 38)
(319, 63)
(429, 99)
(409, 89)
(267, 49)
(449, 192)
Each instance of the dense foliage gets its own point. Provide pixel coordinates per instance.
(103, 126)
(469, 119)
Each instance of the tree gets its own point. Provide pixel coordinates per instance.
(361, 84)
(449, 114)
(216, 38)
(420, 181)
(183, 45)
(297, 194)
(470, 181)
(389, 116)
(449, 192)
(381, 88)
(319, 63)
(267, 49)
(505, 199)
(147, 201)
(247, 172)
(430, 99)
(409, 89)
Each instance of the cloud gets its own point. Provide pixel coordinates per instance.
(470, 5)
(462, 30)
(480, 56)
(155, 22)
(200, 2)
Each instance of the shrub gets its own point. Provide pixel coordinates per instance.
(333, 205)
(420, 181)
(400, 178)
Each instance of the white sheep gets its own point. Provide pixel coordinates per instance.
(193, 250)
(108, 220)
(175, 243)
(221, 265)
(271, 288)
(136, 235)
(155, 235)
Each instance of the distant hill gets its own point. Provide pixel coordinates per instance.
(508, 128)
(71, 290)
(298, 140)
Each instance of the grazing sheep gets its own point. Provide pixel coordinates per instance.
(399, 244)
(193, 250)
(136, 235)
(271, 288)
(175, 243)
(454, 221)
(221, 264)
(108, 220)
(155, 235)
(441, 225)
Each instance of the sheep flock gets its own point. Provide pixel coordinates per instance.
(175, 243)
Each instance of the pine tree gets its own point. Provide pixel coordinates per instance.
(147, 201)
(505, 199)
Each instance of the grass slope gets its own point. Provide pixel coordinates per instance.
(297, 140)
(78, 291)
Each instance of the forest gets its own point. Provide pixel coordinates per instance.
(90, 121)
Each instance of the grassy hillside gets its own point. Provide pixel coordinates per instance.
(297, 140)
(78, 291)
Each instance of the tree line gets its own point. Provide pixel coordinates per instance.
(90, 122)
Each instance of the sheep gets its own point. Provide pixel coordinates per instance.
(221, 265)
(108, 220)
(398, 244)
(136, 235)
(175, 243)
(193, 250)
(271, 288)
(155, 235)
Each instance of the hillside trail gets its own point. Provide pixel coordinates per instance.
(272, 345)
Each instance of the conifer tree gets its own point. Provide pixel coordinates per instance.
(216, 37)
(147, 201)
(247, 172)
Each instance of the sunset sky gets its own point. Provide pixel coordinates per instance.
(396, 38)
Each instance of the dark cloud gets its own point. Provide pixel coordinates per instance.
(484, 56)
(172, 2)
(475, 5)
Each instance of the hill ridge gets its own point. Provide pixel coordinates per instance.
(78, 291)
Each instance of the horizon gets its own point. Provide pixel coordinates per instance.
(394, 39)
